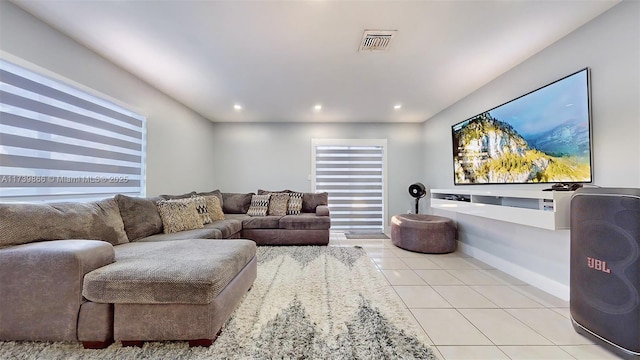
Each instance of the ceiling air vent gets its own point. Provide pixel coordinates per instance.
(377, 40)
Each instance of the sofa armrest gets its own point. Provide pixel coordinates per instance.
(41, 287)
(322, 210)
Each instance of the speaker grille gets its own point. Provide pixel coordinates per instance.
(605, 264)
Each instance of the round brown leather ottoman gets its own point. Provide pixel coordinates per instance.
(423, 233)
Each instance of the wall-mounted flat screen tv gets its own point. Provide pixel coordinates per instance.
(541, 137)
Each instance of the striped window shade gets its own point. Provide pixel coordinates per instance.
(58, 142)
(354, 178)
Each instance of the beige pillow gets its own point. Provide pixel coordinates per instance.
(259, 205)
(278, 204)
(215, 209)
(179, 215)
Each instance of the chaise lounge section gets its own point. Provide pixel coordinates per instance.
(173, 290)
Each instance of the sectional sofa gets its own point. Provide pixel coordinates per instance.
(307, 226)
(109, 270)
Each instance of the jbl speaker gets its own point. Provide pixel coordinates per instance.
(605, 267)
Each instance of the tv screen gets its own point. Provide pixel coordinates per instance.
(541, 137)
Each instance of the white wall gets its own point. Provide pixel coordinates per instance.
(610, 46)
(187, 152)
(178, 140)
(277, 156)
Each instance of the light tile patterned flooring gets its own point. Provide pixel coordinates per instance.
(470, 310)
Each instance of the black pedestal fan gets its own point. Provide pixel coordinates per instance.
(418, 191)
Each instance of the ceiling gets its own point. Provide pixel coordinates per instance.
(278, 59)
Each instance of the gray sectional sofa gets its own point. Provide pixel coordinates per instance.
(310, 227)
(103, 271)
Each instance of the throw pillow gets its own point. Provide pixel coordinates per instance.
(278, 204)
(202, 208)
(179, 215)
(259, 205)
(295, 204)
(215, 209)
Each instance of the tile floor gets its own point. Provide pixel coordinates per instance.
(470, 310)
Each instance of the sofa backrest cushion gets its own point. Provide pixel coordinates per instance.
(236, 203)
(311, 200)
(181, 196)
(25, 223)
(216, 193)
(264, 192)
(140, 216)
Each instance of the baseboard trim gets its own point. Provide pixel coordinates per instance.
(543, 283)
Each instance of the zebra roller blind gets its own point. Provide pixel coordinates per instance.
(59, 142)
(353, 175)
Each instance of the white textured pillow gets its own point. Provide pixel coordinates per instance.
(259, 205)
(179, 215)
(294, 207)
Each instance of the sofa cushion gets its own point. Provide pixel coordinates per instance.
(305, 221)
(264, 192)
(294, 207)
(261, 222)
(278, 204)
(168, 272)
(182, 196)
(311, 200)
(204, 233)
(217, 193)
(179, 215)
(139, 215)
(214, 208)
(259, 205)
(236, 203)
(240, 217)
(25, 223)
(227, 228)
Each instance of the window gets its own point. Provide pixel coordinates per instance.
(59, 142)
(353, 172)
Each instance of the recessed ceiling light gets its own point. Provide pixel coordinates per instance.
(397, 106)
(237, 107)
(317, 107)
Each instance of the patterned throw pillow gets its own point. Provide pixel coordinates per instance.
(259, 205)
(202, 208)
(295, 204)
(215, 209)
(278, 204)
(179, 215)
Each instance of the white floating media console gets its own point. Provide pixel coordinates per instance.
(543, 209)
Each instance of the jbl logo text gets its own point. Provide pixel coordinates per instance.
(598, 264)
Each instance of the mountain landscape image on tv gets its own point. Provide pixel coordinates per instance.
(541, 137)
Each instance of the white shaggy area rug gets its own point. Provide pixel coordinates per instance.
(308, 302)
